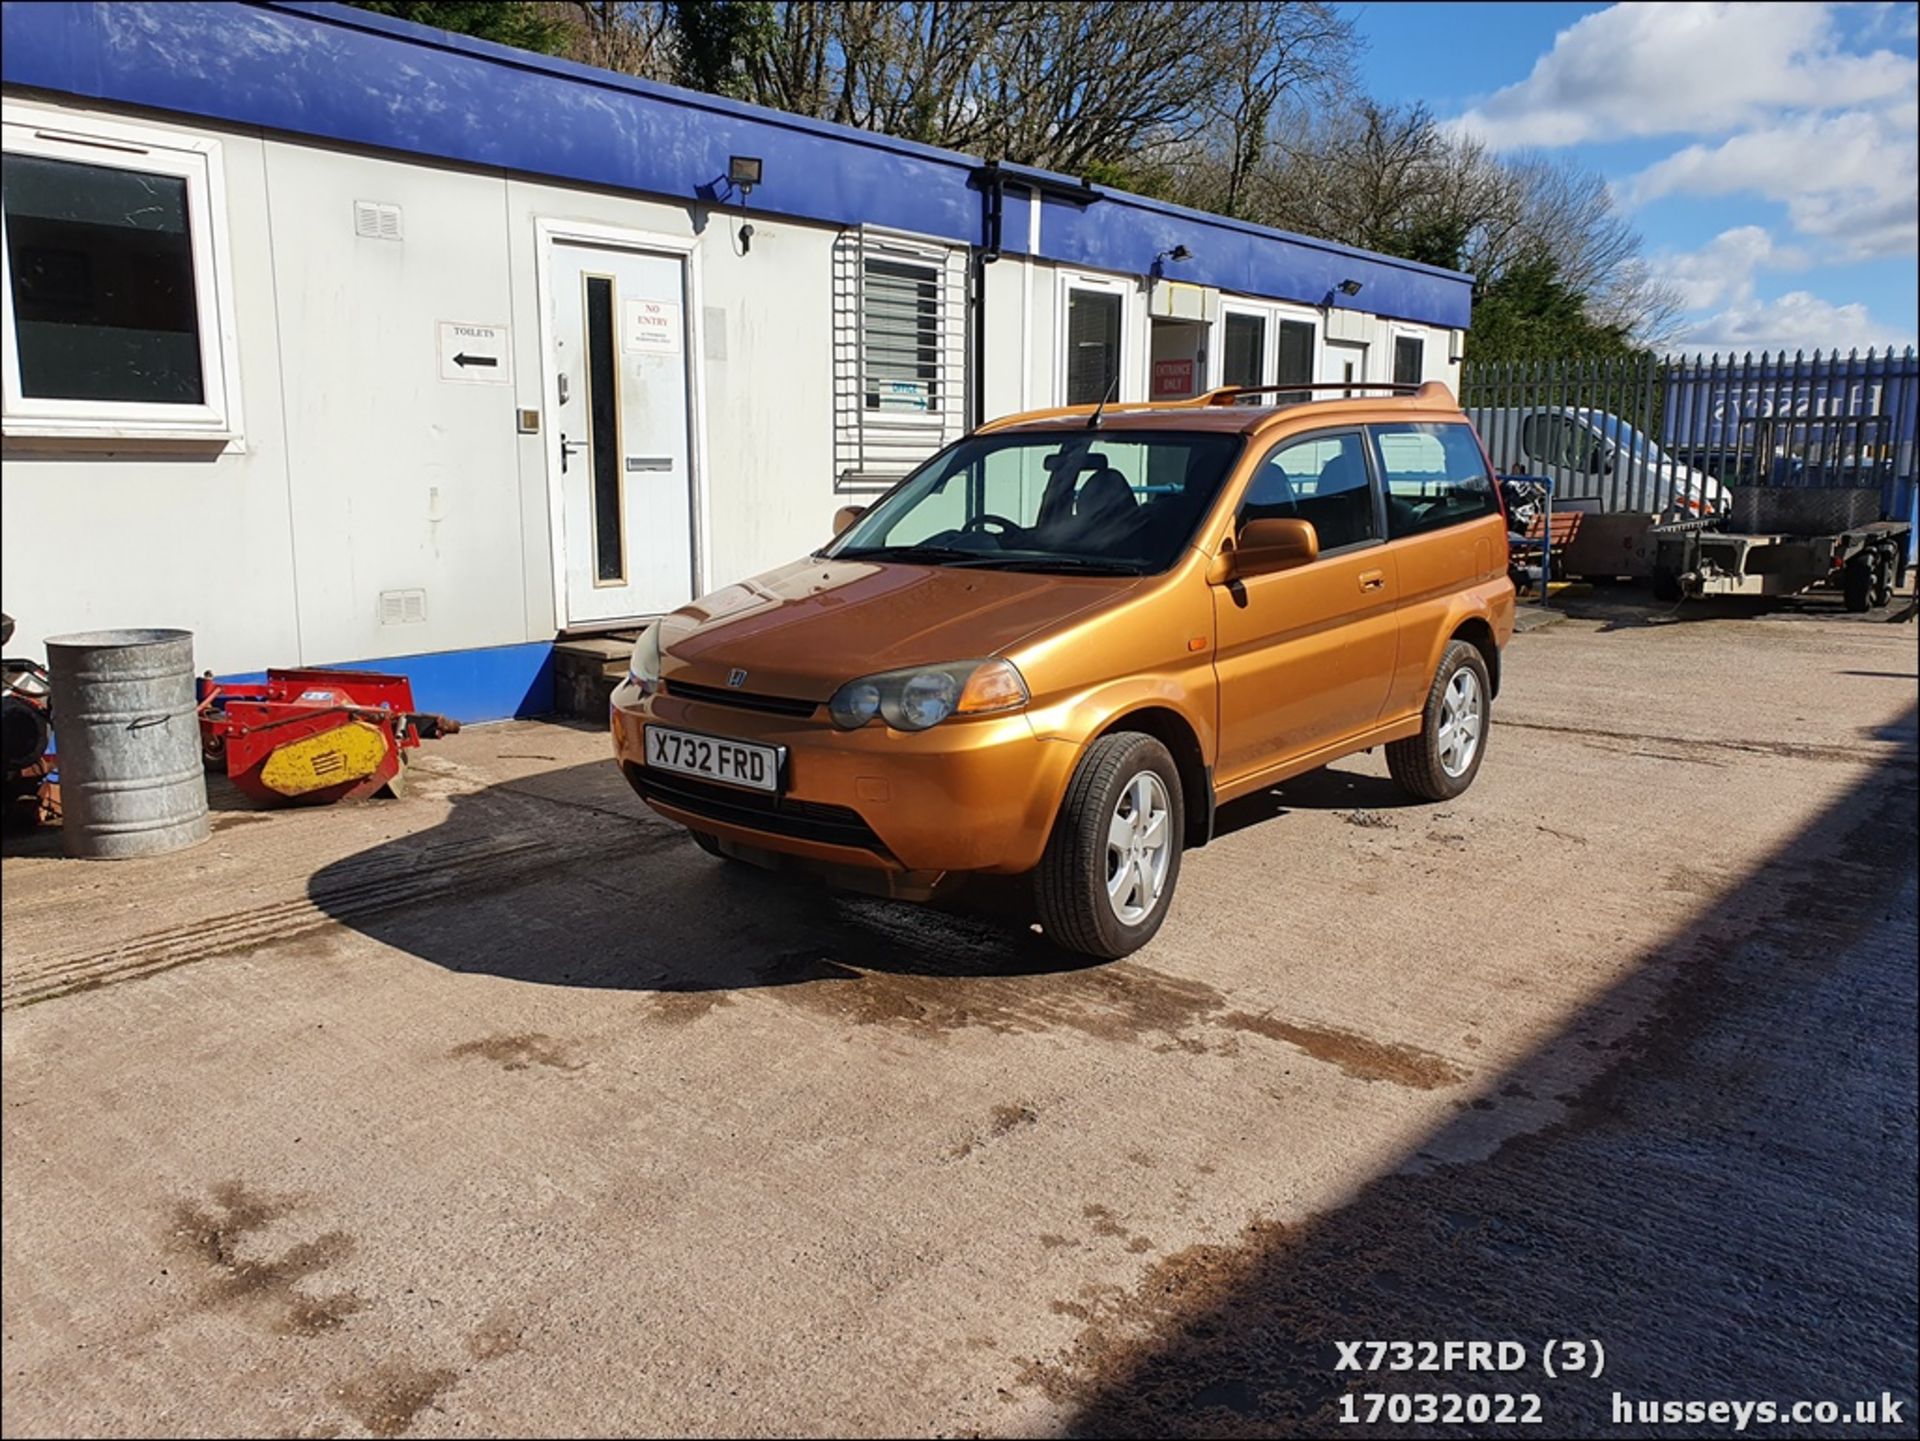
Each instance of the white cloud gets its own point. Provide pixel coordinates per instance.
(1798, 320)
(1724, 267)
(1851, 179)
(1684, 69)
(1717, 285)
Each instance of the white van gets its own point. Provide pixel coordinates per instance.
(1596, 461)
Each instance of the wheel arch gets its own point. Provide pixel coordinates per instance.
(1477, 631)
(1176, 733)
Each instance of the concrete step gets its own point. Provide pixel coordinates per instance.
(585, 671)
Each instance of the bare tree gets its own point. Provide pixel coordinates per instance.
(631, 36)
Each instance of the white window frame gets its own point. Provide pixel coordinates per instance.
(1217, 344)
(1398, 333)
(1274, 314)
(57, 135)
(1133, 333)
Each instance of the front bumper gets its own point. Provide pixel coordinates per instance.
(965, 795)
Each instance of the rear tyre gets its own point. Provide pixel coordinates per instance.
(1441, 761)
(1881, 591)
(1107, 878)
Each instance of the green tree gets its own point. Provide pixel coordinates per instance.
(722, 46)
(1531, 313)
(520, 23)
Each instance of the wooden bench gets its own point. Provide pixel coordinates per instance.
(1566, 524)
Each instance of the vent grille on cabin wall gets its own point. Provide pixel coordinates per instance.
(375, 221)
(403, 607)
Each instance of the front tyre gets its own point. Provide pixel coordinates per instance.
(1107, 878)
(1441, 761)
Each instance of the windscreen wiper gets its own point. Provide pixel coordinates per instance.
(1080, 565)
(914, 554)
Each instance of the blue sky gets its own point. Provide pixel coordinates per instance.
(1766, 152)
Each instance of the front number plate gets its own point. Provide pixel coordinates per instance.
(733, 763)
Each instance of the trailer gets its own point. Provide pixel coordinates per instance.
(1783, 540)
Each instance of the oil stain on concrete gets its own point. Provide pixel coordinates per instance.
(266, 1286)
(518, 1052)
(387, 1399)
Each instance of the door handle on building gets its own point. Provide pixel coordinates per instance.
(1373, 579)
(567, 448)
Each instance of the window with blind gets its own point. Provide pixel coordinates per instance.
(1093, 345)
(1243, 355)
(900, 335)
(899, 355)
(1296, 360)
(1409, 359)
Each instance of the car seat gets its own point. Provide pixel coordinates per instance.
(1104, 508)
(1341, 507)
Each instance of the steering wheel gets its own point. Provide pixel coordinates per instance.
(986, 518)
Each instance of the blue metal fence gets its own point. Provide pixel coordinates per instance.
(1638, 434)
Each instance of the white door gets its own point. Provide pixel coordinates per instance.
(620, 431)
(1346, 362)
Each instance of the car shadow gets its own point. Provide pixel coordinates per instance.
(567, 879)
(1326, 789)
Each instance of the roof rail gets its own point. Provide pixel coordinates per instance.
(1229, 394)
(1433, 392)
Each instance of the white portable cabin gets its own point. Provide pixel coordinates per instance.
(338, 340)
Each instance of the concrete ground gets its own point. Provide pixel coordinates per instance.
(503, 1109)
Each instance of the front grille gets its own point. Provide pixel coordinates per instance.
(777, 815)
(741, 700)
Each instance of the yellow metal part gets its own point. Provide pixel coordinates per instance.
(344, 754)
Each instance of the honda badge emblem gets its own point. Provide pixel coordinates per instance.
(736, 678)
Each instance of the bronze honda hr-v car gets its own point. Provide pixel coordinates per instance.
(1061, 643)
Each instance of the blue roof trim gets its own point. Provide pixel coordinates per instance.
(352, 77)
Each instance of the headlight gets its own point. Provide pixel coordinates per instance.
(644, 668)
(913, 700)
(854, 704)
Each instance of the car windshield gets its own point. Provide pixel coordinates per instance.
(1122, 503)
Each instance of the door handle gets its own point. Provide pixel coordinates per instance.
(567, 448)
(1373, 579)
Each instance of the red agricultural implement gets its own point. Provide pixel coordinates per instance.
(307, 737)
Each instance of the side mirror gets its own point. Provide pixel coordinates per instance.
(1265, 546)
(1597, 462)
(846, 516)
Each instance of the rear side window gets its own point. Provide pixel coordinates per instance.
(1435, 475)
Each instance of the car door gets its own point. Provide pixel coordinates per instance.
(1305, 656)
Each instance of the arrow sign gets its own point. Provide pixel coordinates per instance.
(475, 354)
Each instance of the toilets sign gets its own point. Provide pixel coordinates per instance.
(475, 354)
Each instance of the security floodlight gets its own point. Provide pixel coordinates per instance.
(1348, 287)
(744, 171)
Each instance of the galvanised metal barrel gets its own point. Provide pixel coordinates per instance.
(128, 741)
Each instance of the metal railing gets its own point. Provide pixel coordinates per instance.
(1642, 433)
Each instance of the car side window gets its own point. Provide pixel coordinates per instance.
(1435, 475)
(1551, 440)
(1319, 478)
